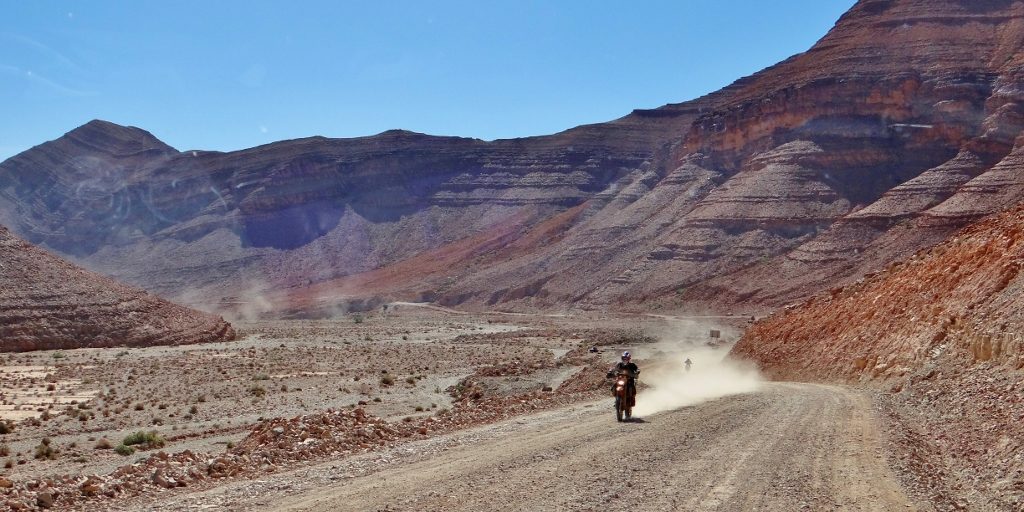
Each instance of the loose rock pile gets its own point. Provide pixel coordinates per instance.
(961, 437)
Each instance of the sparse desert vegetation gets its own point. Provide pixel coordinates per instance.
(90, 411)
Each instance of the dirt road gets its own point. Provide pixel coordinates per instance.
(788, 447)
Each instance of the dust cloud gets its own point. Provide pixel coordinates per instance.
(253, 304)
(711, 375)
(249, 305)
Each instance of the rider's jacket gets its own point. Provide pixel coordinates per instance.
(629, 368)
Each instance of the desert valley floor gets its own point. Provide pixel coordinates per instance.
(411, 406)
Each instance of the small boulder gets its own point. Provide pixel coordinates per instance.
(45, 499)
(162, 480)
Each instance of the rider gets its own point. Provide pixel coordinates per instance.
(688, 363)
(630, 369)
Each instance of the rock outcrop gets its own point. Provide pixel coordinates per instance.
(48, 303)
(897, 128)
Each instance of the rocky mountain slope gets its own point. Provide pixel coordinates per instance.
(943, 331)
(955, 302)
(47, 303)
(295, 212)
(896, 129)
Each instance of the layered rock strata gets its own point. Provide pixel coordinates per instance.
(897, 128)
(48, 303)
(813, 172)
(293, 212)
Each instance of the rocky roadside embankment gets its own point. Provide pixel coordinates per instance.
(941, 336)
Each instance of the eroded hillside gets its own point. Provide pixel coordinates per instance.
(944, 332)
(893, 131)
(48, 303)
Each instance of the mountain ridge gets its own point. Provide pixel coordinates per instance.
(898, 127)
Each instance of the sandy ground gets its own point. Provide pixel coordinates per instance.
(713, 438)
(786, 447)
(203, 398)
(28, 391)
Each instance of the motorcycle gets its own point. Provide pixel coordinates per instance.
(624, 400)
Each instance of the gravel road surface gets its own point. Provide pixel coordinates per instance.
(788, 447)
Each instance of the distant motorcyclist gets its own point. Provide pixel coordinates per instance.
(687, 363)
(630, 369)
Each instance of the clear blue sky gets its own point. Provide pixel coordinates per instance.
(225, 75)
